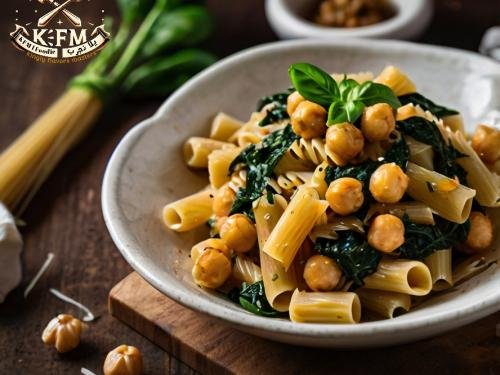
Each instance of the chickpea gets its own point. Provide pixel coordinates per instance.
(481, 232)
(377, 122)
(239, 233)
(309, 120)
(486, 142)
(214, 243)
(223, 201)
(292, 102)
(388, 183)
(63, 332)
(211, 269)
(321, 273)
(386, 233)
(345, 195)
(345, 140)
(123, 360)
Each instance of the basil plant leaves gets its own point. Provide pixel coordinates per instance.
(345, 100)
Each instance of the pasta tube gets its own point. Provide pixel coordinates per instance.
(278, 282)
(294, 225)
(197, 150)
(224, 126)
(189, 212)
(420, 153)
(479, 177)
(396, 80)
(417, 212)
(439, 264)
(218, 165)
(386, 304)
(330, 307)
(442, 194)
(402, 276)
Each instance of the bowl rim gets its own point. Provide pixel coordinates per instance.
(109, 199)
(407, 14)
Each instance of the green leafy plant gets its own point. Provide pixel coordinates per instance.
(445, 155)
(353, 254)
(252, 298)
(259, 161)
(344, 101)
(426, 104)
(144, 57)
(278, 111)
(423, 240)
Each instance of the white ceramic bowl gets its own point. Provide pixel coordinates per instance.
(288, 18)
(147, 170)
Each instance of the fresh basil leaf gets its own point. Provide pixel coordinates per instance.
(337, 113)
(371, 93)
(314, 84)
(259, 161)
(354, 110)
(353, 254)
(426, 104)
(345, 87)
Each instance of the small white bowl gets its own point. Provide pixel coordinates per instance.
(288, 18)
(147, 171)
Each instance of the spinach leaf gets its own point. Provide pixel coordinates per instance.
(278, 111)
(353, 254)
(260, 160)
(428, 105)
(444, 154)
(252, 298)
(361, 172)
(314, 84)
(399, 153)
(423, 240)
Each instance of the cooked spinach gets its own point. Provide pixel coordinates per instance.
(399, 153)
(252, 298)
(423, 240)
(353, 254)
(259, 161)
(444, 154)
(278, 111)
(426, 104)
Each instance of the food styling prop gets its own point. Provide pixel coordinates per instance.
(148, 56)
(147, 171)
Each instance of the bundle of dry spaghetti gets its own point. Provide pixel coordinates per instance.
(134, 63)
(26, 164)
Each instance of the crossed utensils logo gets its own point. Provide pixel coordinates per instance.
(44, 20)
(59, 45)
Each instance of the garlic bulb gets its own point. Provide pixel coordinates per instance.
(11, 245)
(63, 332)
(123, 360)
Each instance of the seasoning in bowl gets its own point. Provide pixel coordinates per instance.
(352, 13)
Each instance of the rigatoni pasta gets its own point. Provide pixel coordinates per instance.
(320, 209)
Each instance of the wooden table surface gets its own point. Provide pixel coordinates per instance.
(65, 217)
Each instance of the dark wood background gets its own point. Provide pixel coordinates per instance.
(65, 217)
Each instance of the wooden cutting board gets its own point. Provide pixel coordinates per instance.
(211, 347)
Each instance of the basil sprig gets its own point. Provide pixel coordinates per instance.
(346, 100)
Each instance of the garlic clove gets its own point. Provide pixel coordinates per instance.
(63, 332)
